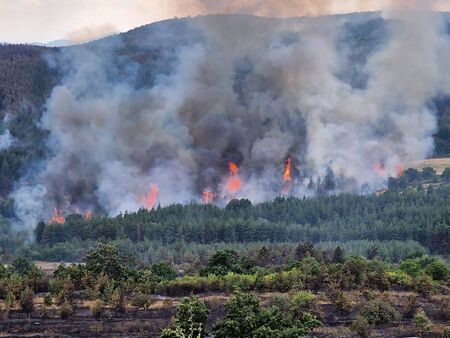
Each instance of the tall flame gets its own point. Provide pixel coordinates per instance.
(287, 171)
(88, 215)
(287, 177)
(208, 196)
(400, 170)
(57, 217)
(234, 183)
(148, 200)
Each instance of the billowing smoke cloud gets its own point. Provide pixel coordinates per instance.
(246, 93)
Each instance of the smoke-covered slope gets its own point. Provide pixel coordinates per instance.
(227, 106)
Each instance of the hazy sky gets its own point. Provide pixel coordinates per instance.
(47, 20)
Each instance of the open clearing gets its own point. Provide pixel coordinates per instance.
(438, 164)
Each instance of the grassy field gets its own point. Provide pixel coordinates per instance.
(438, 164)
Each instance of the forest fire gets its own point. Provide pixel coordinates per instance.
(87, 215)
(287, 171)
(287, 178)
(400, 169)
(208, 196)
(148, 200)
(379, 168)
(57, 217)
(234, 183)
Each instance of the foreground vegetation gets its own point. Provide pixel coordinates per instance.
(268, 299)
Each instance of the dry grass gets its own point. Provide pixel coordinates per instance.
(438, 164)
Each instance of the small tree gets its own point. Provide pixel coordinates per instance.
(118, 301)
(422, 323)
(379, 312)
(338, 255)
(66, 310)
(163, 271)
(97, 309)
(141, 301)
(343, 303)
(26, 301)
(21, 265)
(360, 326)
(190, 320)
(105, 258)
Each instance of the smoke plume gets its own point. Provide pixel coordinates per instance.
(246, 93)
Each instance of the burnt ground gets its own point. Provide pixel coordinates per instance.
(149, 323)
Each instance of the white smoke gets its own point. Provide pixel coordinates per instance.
(6, 140)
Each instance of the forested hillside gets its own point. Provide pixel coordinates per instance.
(416, 209)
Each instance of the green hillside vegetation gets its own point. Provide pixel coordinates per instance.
(415, 209)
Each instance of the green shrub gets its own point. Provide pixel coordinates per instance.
(141, 301)
(360, 326)
(281, 302)
(378, 312)
(163, 271)
(66, 310)
(343, 303)
(438, 270)
(97, 309)
(118, 301)
(190, 320)
(26, 300)
(446, 332)
(421, 322)
(244, 318)
(48, 300)
(424, 285)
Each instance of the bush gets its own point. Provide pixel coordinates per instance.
(244, 318)
(438, 270)
(163, 272)
(97, 309)
(378, 312)
(422, 323)
(26, 300)
(141, 301)
(48, 300)
(118, 301)
(424, 285)
(446, 332)
(281, 302)
(360, 326)
(190, 320)
(66, 310)
(343, 303)
(303, 302)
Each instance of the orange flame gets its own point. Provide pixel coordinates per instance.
(234, 183)
(148, 200)
(287, 171)
(208, 196)
(287, 178)
(379, 168)
(57, 217)
(88, 215)
(400, 170)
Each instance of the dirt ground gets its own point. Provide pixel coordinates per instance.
(149, 323)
